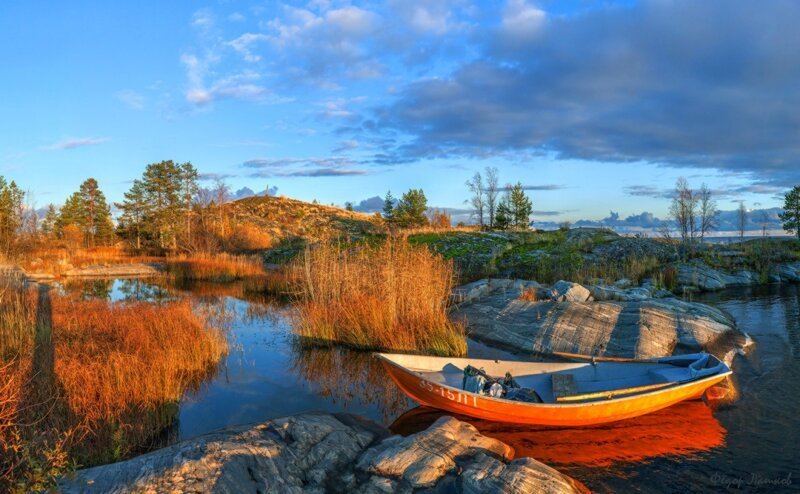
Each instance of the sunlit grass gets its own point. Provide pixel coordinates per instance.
(92, 381)
(392, 297)
(214, 267)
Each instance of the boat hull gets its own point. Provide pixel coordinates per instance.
(459, 401)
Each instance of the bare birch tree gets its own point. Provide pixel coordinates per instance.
(741, 220)
(476, 188)
(492, 192)
(709, 214)
(684, 210)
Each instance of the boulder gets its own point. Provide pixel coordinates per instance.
(320, 452)
(479, 289)
(789, 272)
(634, 329)
(566, 291)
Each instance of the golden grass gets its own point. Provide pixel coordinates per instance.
(528, 295)
(97, 379)
(117, 360)
(56, 260)
(389, 297)
(216, 267)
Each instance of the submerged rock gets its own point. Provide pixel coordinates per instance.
(320, 452)
(632, 328)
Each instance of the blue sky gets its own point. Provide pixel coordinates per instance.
(596, 106)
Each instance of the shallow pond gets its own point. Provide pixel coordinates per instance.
(751, 445)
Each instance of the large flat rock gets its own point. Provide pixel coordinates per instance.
(634, 328)
(320, 452)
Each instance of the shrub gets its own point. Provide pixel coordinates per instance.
(391, 297)
(248, 237)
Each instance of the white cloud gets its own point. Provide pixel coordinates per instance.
(132, 99)
(203, 19)
(237, 17)
(76, 143)
(243, 45)
(522, 20)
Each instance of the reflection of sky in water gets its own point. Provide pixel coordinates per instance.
(116, 290)
(681, 449)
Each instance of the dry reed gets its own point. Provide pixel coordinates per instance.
(217, 267)
(97, 379)
(390, 297)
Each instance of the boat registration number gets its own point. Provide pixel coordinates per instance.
(448, 393)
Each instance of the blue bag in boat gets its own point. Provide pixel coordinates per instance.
(474, 380)
(474, 384)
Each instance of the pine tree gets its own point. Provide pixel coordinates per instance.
(521, 206)
(69, 214)
(410, 211)
(189, 178)
(791, 211)
(11, 214)
(134, 209)
(388, 207)
(49, 223)
(348, 206)
(163, 186)
(87, 211)
(96, 214)
(502, 218)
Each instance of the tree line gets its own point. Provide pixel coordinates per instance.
(495, 207)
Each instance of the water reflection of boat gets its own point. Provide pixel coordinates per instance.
(688, 428)
(561, 394)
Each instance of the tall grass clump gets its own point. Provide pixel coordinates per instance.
(387, 297)
(214, 267)
(124, 367)
(84, 382)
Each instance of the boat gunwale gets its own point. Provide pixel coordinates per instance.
(385, 357)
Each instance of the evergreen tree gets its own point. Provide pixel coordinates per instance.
(348, 206)
(134, 209)
(87, 211)
(189, 178)
(520, 205)
(791, 211)
(410, 211)
(388, 207)
(70, 214)
(502, 217)
(11, 214)
(163, 185)
(49, 223)
(96, 222)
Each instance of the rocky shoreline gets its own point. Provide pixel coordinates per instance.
(634, 322)
(321, 452)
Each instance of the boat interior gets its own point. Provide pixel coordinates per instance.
(573, 381)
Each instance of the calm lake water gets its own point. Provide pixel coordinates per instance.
(752, 445)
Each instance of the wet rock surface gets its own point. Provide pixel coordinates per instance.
(320, 452)
(626, 323)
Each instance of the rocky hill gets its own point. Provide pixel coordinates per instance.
(284, 218)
